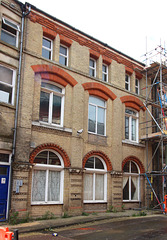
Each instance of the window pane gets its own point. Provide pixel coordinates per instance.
(134, 168)
(41, 158)
(46, 43)
(8, 38)
(104, 68)
(99, 187)
(51, 87)
(54, 186)
(6, 75)
(104, 77)
(126, 188)
(5, 93)
(46, 53)
(90, 163)
(134, 188)
(98, 164)
(63, 50)
(100, 121)
(53, 159)
(91, 72)
(126, 127)
(88, 187)
(56, 115)
(44, 107)
(133, 129)
(92, 119)
(62, 60)
(38, 185)
(91, 63)
(4, 157)
(97, 101)
(126, 167)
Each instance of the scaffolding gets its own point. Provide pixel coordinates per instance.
(155, 126)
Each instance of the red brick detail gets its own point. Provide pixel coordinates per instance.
(106, 60)
(98, 89)
(59, 74)
(54, 78)
(128, 70)
(134, 102)
(81, 39)
(66, 41)
(94, 54)
(54, 147)
(138, 75)
(49, 33)
(136, 160)
(100, 154)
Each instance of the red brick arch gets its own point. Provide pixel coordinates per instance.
(136, 160)
(54, 147)
(100, 154)
(133, 102)
(54, 74)
(99, 90)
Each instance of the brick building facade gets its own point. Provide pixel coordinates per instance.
(76, 145)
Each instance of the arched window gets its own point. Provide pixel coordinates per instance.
(47, 178)
(95, 180)
(51, 103)
(131, 181)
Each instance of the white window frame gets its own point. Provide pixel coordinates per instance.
(105, 73)
(10, 157)
(97, 106)
(48, 49)
(47, 167)
(10, 85)
(92, 68)
(17, 28)
(130, 175)
(62, 95)
(65, 56)
(94, 172)
(137, 86)
(130, 117)
(127, 82)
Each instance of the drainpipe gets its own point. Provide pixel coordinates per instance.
(26, 8)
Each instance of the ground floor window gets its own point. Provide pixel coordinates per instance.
(95, 180)
(131, 182)
(47, 178)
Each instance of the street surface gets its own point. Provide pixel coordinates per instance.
(132, 228)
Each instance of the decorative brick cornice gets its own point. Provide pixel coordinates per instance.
(82, 40)
(106, 60)
(136, 160)
(100, 154)
(65, 41)
(55, 74)
(94, 54)
(134, 102)
(49, 33)
(54, 147)
(138, 75)
(128, 70)
(99, 90)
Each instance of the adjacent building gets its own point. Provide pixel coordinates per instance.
(70, 114)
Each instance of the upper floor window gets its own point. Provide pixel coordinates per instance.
(127, 82)
(97, 115)
(131, 181)
(47, 48)
(47, 179)
(95, 180)
(7, 85)
(131, 125)
(92, 67)
(51, 104)
(10, 32)
(137, 86)
(63, 55)
(105, 73)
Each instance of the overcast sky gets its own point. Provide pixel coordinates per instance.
(122, 24)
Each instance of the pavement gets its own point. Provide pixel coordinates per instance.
(63, 222)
